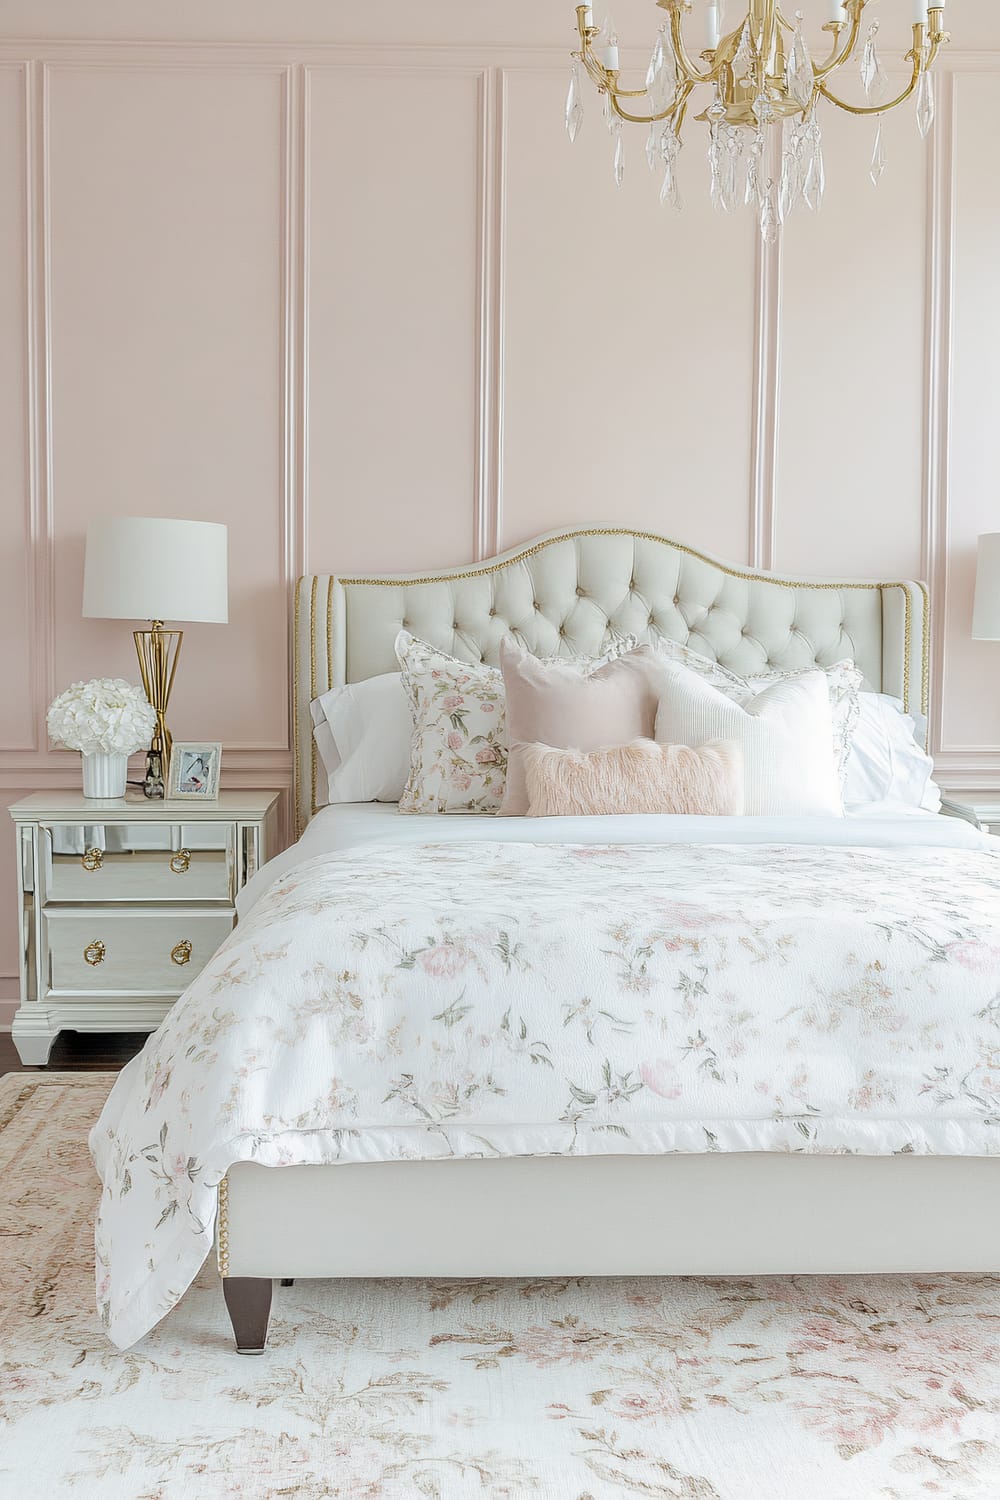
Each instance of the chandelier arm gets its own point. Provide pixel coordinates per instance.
(596, 72)
(630, 93)
(623, 114)
(681, 52)
(840, 55)
(875, 109)
(681, 105)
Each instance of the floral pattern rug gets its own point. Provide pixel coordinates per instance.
(799, 1388)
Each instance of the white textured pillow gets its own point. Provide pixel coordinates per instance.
(886, 765)
(362, 734)
(785, 734)
(458, 744)
(843, 679)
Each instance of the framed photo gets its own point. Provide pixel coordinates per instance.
(194, 772)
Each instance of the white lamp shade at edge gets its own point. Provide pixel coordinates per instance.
(986, 610)
(146, 568)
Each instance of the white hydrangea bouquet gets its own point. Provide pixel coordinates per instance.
(107, 720)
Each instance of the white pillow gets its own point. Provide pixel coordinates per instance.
(886, 765)
(362, 734)
(843, 682)
(785, 733)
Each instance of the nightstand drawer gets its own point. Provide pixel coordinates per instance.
(111, 950)
(138, 862)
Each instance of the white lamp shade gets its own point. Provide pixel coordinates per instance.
(141, 568)
(986, 610)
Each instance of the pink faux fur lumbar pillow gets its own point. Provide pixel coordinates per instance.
(641, 777)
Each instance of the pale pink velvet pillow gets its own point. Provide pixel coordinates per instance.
(642, 777)
(553, 704)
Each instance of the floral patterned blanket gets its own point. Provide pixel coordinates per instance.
(483, 999)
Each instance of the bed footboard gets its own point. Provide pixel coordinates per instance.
(736, 1214)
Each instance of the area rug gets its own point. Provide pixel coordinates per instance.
(798, 1388)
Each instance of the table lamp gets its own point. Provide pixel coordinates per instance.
(986, 610)
(141, 568)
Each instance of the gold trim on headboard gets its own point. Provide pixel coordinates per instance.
(498, 565)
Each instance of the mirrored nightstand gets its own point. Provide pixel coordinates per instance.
(122, 902)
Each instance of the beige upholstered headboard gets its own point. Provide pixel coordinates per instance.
(563, 593)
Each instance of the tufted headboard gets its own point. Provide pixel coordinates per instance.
(563, 592)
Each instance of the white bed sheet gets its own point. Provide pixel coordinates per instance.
(353, 825)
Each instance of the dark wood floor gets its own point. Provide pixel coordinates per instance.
(78, 1052)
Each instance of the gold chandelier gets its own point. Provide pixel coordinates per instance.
(763, 81)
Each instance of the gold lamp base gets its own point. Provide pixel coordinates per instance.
(158, 650)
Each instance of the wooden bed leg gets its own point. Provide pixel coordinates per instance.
(248, 1301)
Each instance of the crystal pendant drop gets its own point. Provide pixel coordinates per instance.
(814, 184)
(716, 115)
(755, 161)
(768, 215)
(661, 75)
(790, 182)
(655, 62)
(876, 84)
(743, 60)
(653, 150)
(925, 104)
(619, 157)
(799, 78)
(793, 167)
(878, 157)
(670, 190)
(763, 110)
(574, 104)
(733, 151)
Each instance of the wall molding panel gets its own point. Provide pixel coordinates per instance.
(766, 379)
(488, 522)
(937, 369)
(22, 415)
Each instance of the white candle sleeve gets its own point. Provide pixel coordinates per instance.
(836, 12)
(712, 26)
(608, 58)
(920, 12)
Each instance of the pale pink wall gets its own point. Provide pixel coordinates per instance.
(333, 274)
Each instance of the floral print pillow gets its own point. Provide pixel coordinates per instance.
(458, 749)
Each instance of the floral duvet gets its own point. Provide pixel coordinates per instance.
(503, 999)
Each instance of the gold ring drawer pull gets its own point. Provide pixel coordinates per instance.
(181, 861)
(181, 952)
(93, 859)
(94, 953)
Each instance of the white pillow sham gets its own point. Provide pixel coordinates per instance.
(886, 764)
(843, 681)
(362, 734)
(785, 734)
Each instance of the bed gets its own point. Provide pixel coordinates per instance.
(571, 1193)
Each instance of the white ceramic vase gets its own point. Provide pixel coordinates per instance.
(104, 775)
